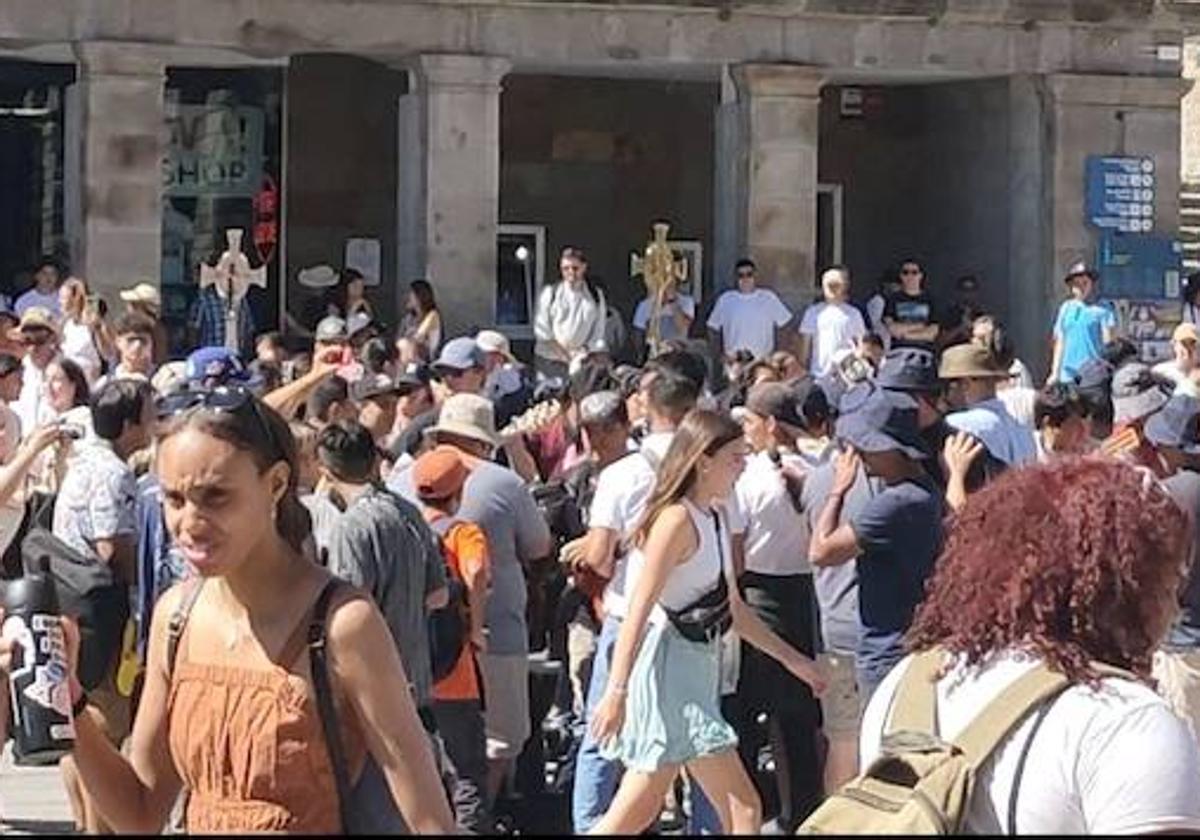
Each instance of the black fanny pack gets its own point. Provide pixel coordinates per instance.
(709, 616)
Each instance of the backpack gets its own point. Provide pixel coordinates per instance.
(921, 784)
(449, 626)
(88, 590)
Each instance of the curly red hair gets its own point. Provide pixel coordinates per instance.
(1075, 561)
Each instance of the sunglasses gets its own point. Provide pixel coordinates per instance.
(223, 399)
(911, 271)
(745, 274)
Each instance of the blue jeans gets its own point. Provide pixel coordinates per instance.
(596, 778)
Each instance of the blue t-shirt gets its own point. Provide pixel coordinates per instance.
(900, 533)
(1080, 327)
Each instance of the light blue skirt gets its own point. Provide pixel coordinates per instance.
(672, 711)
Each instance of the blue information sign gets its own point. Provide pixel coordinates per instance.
(1120, 193)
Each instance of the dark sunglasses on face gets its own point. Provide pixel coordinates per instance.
(745, 274)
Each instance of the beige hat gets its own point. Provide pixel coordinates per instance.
(143, 293)
(467, 415)
(969, 361)
(35, 318)
(490, 341)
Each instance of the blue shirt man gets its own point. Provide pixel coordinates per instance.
(1082, 327)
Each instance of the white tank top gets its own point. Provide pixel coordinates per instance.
(697, 575)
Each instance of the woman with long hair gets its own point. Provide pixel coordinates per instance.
(85, 339)
(423, 320)
(1072, 565)
(237, 654)
(660, 709)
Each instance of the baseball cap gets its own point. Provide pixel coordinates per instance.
(145, 293)
(909, 369)
(439, 473)
(415, 375)
(459, 354)
(490, 341)
(1177, 426)
(877, 420)
(374, 385)
(215, 366)
(332, 328)
(1137, 392)
(1185, 332)
(1080, 267)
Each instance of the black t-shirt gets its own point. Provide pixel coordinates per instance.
(915, 309)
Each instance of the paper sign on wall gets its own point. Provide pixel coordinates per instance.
(364, 256)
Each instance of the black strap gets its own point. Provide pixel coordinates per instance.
(318, 663)
(1016, 785)
(179, 620)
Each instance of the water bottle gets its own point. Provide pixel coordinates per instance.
(43, 727)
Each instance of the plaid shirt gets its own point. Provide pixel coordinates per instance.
(207, 318)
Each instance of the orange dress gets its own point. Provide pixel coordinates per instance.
(249, 746)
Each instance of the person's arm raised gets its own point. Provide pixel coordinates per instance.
(135, 794)
(287, 399)
(365, 663)
(13, 474)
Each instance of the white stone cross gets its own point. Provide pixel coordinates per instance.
(233, 276)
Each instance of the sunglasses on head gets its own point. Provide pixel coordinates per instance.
(223, 399)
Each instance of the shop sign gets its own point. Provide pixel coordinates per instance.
(214, 150)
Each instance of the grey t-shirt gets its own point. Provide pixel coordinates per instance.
(382, 545)
(497, 500)
(837, 586)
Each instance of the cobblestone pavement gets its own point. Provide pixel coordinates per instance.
(32, 799)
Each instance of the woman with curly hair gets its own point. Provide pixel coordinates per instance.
(1069, 565)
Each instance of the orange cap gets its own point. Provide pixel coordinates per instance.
(439, 473)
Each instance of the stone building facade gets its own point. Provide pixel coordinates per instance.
(795, 131)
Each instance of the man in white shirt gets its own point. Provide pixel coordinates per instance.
(831, 325)
(570, 316)
(45, 289)
(39, 335)
(617, 507)
(785, 426)
(746, 318)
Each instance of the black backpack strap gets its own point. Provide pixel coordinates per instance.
(179, 620)
(1016, 785)
(319, 665)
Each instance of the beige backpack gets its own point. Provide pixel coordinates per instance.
(922, 784)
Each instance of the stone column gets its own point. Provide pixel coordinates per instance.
(114, 166)
(776, 195)
(450, 183)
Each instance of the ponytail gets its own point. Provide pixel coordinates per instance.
(294, 522)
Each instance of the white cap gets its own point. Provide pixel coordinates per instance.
(490, 341)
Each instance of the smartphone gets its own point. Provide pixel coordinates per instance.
(71, 430)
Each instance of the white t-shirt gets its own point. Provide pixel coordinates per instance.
(618, 504)
(568, 315)
(748, 321)
(835, 327)
(776, 533)
(666, 318)
(35, 298)
(1114, 761)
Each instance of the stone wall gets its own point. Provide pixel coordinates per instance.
(341, 169)
(597, 161)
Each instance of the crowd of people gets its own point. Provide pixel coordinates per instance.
(373, 578)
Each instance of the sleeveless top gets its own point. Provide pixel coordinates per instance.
(697, 575)
(248, 742)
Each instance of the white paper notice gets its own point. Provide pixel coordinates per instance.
(364, 256)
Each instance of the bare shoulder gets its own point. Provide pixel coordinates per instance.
(353, 616)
